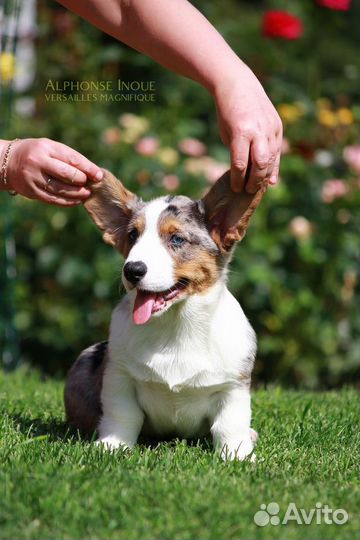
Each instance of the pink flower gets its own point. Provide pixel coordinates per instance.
(205, 166)
(351, 155)
(111, 135)
(339, 5)
(171, 182)
(192, 147)
(333, 189)
(147, 146)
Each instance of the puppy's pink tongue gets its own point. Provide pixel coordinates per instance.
(144, 303)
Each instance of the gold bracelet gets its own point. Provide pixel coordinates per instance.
(3, 172)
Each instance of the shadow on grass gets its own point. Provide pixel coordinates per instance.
(152, 443)
(56, 430)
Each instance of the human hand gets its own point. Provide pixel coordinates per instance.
(51, 172)
(251, 127)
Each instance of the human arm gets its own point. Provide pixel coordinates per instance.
(179, 37)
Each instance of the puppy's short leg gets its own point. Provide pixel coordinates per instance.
(122, 418)
(233, 438)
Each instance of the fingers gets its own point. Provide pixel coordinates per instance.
(277, 145)
(253, 163)
(263, 164)
(239, 151)
(275, 173)
(76, 160)
(271, 164)
(63, 190)
(62, 171)
(259, 164)
(47, 197)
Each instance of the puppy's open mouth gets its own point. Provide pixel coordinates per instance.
(149, 302)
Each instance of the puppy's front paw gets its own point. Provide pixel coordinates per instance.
(111, 443)
(240, 448)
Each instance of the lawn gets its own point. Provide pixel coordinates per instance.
(55, 486)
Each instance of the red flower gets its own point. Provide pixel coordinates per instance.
(340, 5)
(282, 24)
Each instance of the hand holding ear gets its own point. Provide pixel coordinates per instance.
(251, 127)
(50, 172)
(227, 214)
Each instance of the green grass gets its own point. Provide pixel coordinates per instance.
(55, 486)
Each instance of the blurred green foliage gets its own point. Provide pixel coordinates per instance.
(295, 273)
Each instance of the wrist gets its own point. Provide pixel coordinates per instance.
(6, 149)
(234, 73)
(3, 147)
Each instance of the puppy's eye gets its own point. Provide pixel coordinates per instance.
(133, 235)
(176, 240)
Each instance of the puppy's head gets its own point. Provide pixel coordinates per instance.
(173, 246)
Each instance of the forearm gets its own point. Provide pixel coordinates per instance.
(172, 32)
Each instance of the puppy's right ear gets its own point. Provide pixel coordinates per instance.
(110, 206)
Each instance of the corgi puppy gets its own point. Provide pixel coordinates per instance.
(180, 351)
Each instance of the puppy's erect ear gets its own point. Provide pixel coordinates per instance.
(227, 213)
(110, 206)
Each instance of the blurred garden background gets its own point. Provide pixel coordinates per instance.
(296, 272)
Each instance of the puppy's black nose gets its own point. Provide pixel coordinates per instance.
(134, 271)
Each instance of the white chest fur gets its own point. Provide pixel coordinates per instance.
(181, 364)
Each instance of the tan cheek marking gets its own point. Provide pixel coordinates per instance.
(169, 226)
(202, 272)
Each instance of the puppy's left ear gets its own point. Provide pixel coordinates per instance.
(110, 206)
(227, 214)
